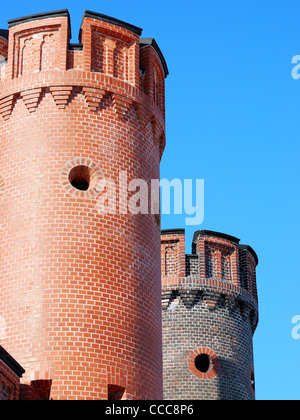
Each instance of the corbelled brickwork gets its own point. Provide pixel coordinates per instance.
(210, 312)
(80, 302)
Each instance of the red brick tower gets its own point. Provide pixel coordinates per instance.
(210, 313)
(80, 304)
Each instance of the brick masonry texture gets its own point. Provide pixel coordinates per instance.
(80, 293)
(211, 309)
(90, 305)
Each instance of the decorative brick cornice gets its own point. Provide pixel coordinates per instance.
(213, 285)
(32, 98)
(61, 95)
(188, 297)
(121, 105)
(6, 106)
(93, 97)
(213, 292)
(144, 116)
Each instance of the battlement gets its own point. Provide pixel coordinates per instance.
(36, 57)
(214, 256)
(107, 45)
(218, 266)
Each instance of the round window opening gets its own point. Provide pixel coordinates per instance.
(203, 363)
(80, 177)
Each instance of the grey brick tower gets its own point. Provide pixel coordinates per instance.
(210, 313)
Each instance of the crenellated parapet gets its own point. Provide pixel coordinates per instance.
(38, 43)
(219, 272)
(110, 66)
(110, 46)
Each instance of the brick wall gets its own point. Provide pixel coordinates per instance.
(172, 254)
(80, 292)
(209, 317)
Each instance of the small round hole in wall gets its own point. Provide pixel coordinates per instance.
(203, 362)
(80, 177)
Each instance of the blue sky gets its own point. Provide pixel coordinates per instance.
(233, 112)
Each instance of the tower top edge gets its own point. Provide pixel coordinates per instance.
(251, 250)
(144, 42)
(108, 19)
(65, 13)
(40, 16)
(216, 235)
(172, 232)
(135, 31)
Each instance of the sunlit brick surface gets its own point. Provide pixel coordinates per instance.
(80, 292)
